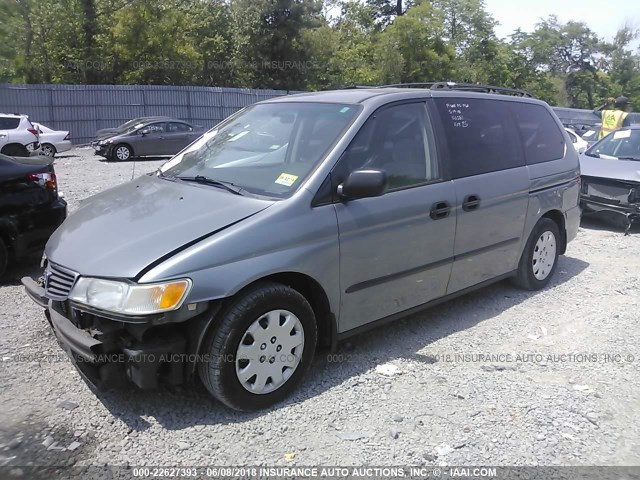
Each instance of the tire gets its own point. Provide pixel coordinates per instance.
(48, 150)
(15, 151)
(4, 258)
(121, 153)
(540, 256)
(242, 364)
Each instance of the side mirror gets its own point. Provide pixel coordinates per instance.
(363, 184)
(144, 132)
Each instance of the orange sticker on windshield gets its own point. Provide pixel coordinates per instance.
(286, 179)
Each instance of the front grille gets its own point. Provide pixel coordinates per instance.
(58, 282)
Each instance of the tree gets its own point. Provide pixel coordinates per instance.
(267, 39)
(411, 49)
(569, 51)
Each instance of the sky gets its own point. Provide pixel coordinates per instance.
(604, 17)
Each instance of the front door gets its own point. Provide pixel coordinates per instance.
(396, 250)
(153, 142)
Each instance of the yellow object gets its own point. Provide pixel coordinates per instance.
(172, 294)
(286, 179)
(611, 120)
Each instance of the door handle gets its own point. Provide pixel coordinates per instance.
(471, 202)
(440, 210)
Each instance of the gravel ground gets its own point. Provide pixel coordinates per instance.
(499, 377)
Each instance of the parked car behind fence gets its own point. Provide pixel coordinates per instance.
(18, 137)
(53, 141)
(150, 137)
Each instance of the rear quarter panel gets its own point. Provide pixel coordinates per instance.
(555, 186)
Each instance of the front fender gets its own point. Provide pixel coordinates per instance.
(286, 238)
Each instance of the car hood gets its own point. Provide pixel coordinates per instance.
(106, 131)
(614, 169)
(120, 232)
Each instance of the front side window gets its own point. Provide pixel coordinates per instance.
(398, 140)
(154, 128)
(267, 149)
(622, 144)
(480, 135)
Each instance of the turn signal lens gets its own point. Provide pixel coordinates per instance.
(172, 295)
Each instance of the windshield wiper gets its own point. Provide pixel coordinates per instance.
(629, 158)
(230, 187)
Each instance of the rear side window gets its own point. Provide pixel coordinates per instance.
(542, 139)
(9, 123)
(178, 127)
(480, 135)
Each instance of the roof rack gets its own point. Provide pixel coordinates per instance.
(470, 87)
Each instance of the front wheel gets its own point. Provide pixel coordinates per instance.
(540, 256)
(261, 348)
(122, 153)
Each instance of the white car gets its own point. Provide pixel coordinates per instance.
(579, 144)
(18, 137)
(53, 141)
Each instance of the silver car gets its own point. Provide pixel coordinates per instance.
(611, 176)
(300, 221)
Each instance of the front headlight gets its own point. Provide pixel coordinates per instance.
(130, 298)
(102, 142)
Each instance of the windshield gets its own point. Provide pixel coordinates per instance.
(267, 149)
(622, 144)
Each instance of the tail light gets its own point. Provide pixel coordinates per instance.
(33, 130)
(68, 137)
(47, 180)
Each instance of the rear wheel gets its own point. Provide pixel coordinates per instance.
(262, 347)
(15, 151)
(122, 153)
(540, 256)
(48, 150)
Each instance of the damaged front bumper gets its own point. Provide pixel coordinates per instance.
(611, 196)
(111, 351)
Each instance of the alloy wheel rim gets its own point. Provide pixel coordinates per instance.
(270, 351)
(48, 151)
(122, 153)
(544, 255)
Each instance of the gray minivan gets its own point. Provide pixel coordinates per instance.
(300, 221)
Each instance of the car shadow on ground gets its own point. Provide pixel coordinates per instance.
(608, 221)
(191, 405)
